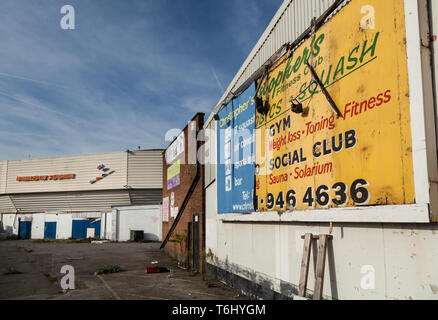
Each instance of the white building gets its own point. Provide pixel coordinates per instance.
(383, 251)
(105, 195)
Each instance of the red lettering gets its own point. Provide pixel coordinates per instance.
(387, 96)
(380, 100)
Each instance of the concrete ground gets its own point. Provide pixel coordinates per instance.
(31, 270)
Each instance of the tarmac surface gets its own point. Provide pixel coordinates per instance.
(32, 270)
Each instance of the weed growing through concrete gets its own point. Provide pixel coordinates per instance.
(11, 270)
(50, 278)
(43, 241)
(28, 250)
(108, 269)
(209, 281)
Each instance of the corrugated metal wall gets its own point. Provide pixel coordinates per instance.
(90, 201)
(145, 169)
(3, 173)
(71, 201)
(138, 169)
(6, 205)
(146, 196)
(290, 21)
(140, 172)
(83, 166)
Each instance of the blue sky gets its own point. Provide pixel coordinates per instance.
(123, 77)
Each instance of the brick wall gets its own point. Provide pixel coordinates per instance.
(176, 246)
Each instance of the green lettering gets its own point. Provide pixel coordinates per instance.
(339, 68)
(297, 65)
(263, 90)
(271, 85)
(316, 46)
(327, 81)
(302, 94)
(288, 69)
(306, 55)
(371, 49)
(278, 81)
(351, 59)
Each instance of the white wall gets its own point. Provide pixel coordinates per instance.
(404, 256)
(63, 224)
(103, 221)
(10, 223)
(119, 222)
(146, 218)
(38, 220)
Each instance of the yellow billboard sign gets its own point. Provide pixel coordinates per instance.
(362, 156)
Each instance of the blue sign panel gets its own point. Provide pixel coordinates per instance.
(225, 161)
(236, 152)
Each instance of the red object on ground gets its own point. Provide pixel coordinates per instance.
(156, 270)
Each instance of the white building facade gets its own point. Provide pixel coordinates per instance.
(82, 196)
(376, 252)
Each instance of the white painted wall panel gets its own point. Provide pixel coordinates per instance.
(146, 218)
(114, 220)
(242, 249)
(413, 255)
(211, 232)
(10, 223)
(264, 243)
(105, 225)
(64, 225)
(37, 230)
(403, 257)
